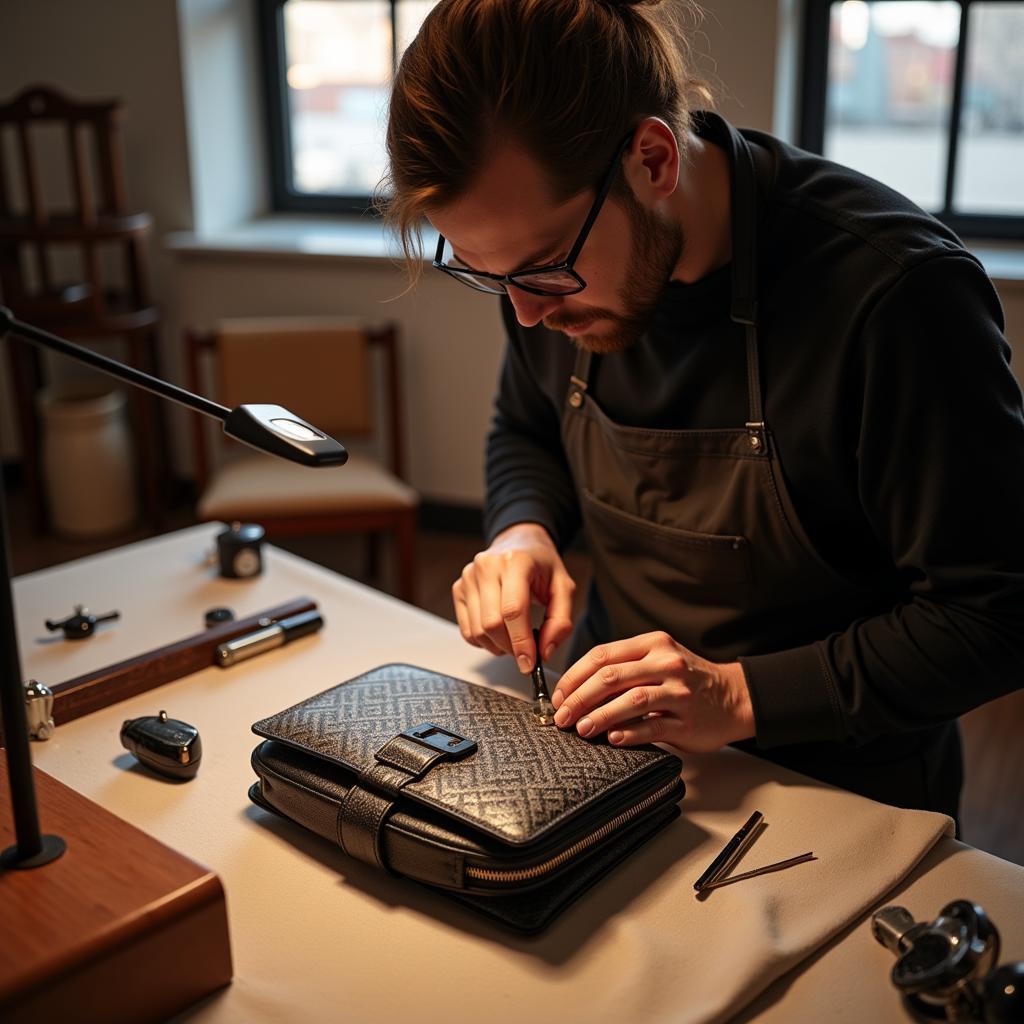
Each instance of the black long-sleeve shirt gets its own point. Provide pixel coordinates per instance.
(898, 424)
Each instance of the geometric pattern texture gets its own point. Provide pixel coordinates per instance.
(523, 781)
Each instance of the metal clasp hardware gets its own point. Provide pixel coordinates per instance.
(576, 394)
(756, 436)
(434, 736)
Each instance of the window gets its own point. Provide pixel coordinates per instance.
(926, 97)
(328, 66)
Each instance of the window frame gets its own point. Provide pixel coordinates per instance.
(815, 49)
(284, 197)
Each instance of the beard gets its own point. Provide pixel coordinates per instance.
(656, 249)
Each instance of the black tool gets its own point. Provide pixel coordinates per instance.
(765, 869)
(543, 709)
(732, 852)
(81, 624)
(946, 969)
(215, 616)
(166, 745)
(240, 551)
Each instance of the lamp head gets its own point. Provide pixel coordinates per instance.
(273, 429)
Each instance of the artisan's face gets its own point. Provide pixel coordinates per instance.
(508, 221)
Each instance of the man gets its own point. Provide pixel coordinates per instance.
(773, 392)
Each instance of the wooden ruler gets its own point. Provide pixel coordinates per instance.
(85, 694)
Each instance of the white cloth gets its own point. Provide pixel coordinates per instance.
(319, 937)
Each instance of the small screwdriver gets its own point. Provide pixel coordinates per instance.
(543, 709)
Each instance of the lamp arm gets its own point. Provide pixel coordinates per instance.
(268, 428)
(10, 325)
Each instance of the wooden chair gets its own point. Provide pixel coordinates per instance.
(74, 264)
(320, 368)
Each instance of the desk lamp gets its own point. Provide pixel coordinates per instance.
(269, 428)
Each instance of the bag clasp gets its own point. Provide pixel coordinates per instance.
(449, 743)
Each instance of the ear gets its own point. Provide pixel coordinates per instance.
(652, 162)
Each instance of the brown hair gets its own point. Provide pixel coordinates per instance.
(567, 79)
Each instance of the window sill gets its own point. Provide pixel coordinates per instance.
(293, 236)
(364, 238)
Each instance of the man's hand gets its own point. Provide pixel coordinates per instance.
(493, 595)
(650, 689)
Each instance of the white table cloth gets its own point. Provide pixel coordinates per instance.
(316, 936)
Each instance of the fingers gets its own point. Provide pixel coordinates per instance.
(656, 729)
(492, 607)
(514, 614)
(493, 596)
(489, 604)
(466, 599)
(557, 623)
(614, 654)
(626, 713)
(605, 686)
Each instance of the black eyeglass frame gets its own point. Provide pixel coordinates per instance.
(564, 267)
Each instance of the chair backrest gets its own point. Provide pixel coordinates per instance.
(61, 220)
(321, 368)
(316, 367)
(39, 106)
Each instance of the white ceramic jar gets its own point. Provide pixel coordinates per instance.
(88, 463)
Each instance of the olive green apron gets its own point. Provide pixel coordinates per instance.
(693, 532)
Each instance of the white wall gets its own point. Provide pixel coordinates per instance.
(223, 111)
(188, 73)
(103, 49)
(735, 49)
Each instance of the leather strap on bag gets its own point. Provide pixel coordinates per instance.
(404, 758)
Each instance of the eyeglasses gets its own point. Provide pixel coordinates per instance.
(552, 279)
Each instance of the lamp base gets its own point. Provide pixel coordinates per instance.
(53, 847)
(120, 928)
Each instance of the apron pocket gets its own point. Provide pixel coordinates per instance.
(705, 557)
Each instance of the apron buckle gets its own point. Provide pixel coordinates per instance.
(756, 436)
(576, 395)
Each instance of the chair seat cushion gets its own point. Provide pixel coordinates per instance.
(258, 486)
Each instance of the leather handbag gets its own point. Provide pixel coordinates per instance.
(458, 787)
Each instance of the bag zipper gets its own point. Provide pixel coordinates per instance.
(580, 846)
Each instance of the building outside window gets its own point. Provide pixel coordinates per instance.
(926, 97)
(329, 66)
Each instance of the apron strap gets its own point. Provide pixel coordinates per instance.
(743, 308)
(581, 371)
(755, 414)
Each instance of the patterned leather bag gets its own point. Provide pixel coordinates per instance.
(456, 786)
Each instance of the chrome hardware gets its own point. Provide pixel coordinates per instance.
(39, 710)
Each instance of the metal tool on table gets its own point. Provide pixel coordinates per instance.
(216, 616)
(240, 551)
(109, 684)
(39, 710)
(946, 969)
(167, 746)
(717, 873)
(543, 709)
(267, 637)
(81, 624)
